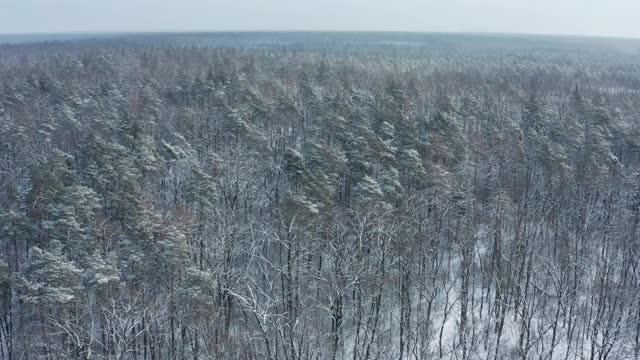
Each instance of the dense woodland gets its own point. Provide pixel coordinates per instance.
(166, 199)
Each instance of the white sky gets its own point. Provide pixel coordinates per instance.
(570, 17)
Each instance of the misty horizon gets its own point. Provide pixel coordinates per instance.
(82, 33)
(570, 18)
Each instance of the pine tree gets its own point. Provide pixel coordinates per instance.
(367, 191)
(50, 278)
(446, 137)
(596, 155)
(393, 109)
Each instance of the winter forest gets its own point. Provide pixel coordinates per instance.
(311, 196)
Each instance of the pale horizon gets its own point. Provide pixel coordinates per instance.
(614, 18)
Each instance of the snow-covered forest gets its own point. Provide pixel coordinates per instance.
(320, 196)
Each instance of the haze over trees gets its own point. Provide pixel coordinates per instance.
(320, 196)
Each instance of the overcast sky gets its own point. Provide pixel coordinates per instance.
(572, 17)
